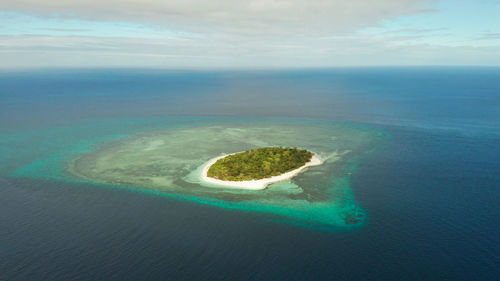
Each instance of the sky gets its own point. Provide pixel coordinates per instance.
(248, 33)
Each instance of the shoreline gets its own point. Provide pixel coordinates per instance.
(254, 184)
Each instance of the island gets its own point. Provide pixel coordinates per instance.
(255, 169)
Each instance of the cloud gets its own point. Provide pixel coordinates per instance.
(489, 36)
(88, 51)
(243, 17)
(415, 31)
(229, 33)
(65, 29)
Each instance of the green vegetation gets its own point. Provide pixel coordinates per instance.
(259, 163)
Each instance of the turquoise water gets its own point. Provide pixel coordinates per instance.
(163, 156)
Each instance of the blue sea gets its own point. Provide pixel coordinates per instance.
(426, 196)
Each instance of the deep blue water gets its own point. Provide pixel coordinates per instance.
(432, 192)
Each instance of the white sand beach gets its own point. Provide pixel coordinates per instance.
(254, 184)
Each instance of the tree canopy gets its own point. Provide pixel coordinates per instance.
(259, 163)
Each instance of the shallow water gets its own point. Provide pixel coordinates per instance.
(166, 158)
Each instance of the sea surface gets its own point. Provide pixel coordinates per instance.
(416, 197)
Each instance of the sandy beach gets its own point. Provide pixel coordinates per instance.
(254, 184)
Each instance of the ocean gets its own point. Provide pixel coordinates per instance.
(416, 197)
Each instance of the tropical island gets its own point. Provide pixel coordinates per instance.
(257, 168)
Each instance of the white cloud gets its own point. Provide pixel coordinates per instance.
(246, 17)
(231, 33)
(81, 51)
